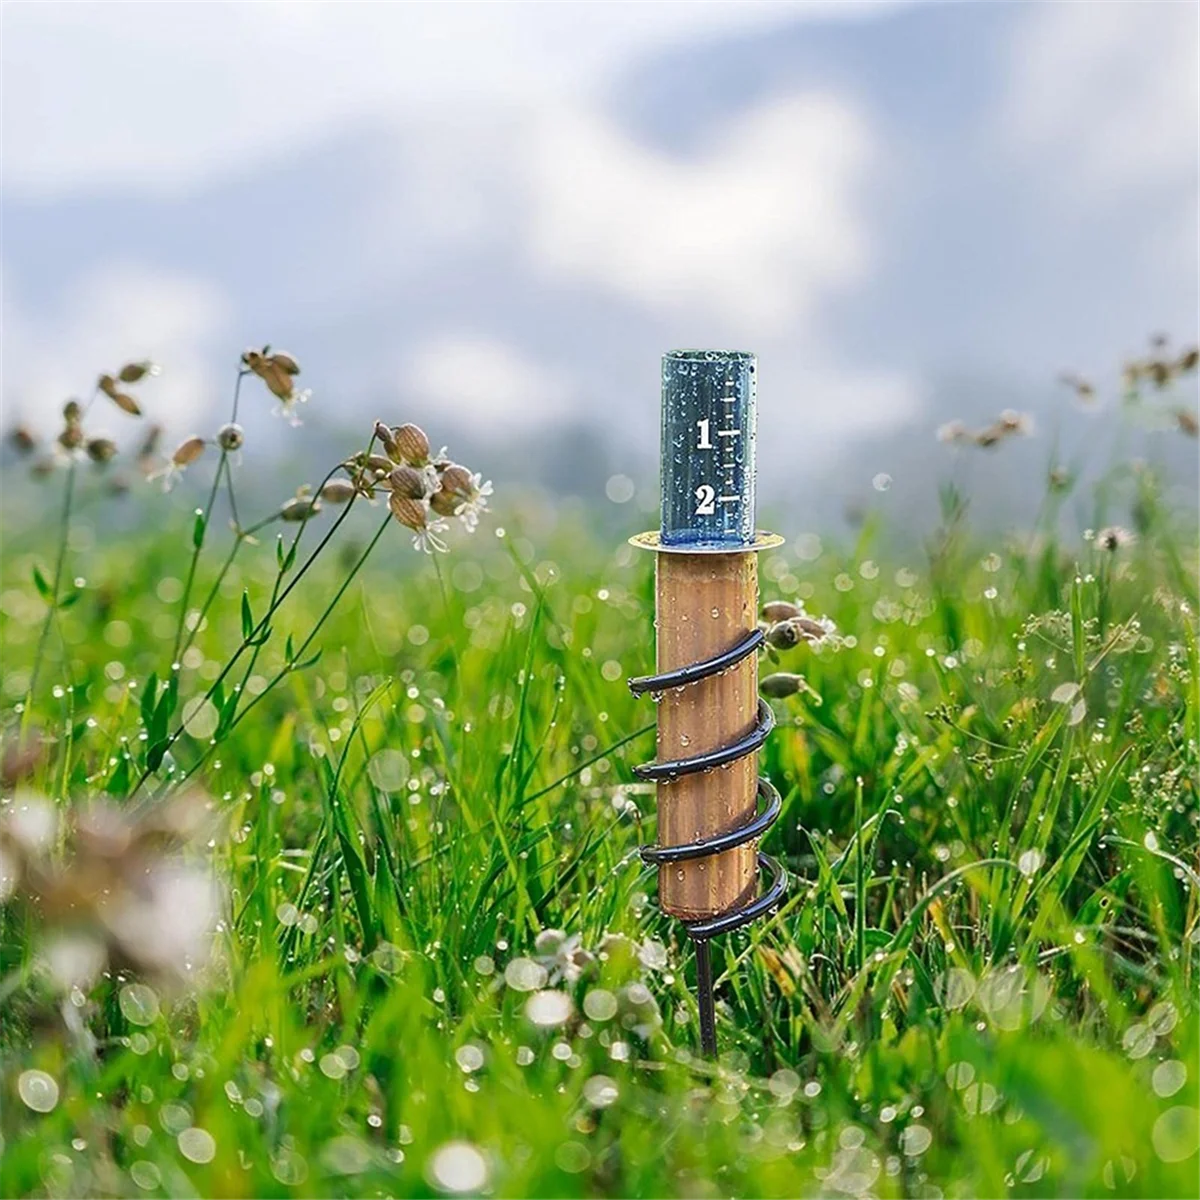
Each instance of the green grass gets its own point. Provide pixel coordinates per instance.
(983, 981)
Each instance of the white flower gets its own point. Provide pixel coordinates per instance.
(427, 539)
(469, 512)
(286, 408)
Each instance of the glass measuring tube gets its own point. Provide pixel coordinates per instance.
(708, 431)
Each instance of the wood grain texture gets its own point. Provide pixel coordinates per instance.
(706, 603)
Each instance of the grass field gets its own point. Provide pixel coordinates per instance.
(375, 924)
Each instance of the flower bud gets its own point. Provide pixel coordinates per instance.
(72, 412)
(784, 635)
(383, 435)
(150, 442)
(781, 685)
(107, 384)
(71, 437)
(101, 449)
(126, 403)
(408, 483)
(300, 508)
(188, 451)
(407, 511)
(780, 610)
(412, 444)
(230, 437)
(339, 491)
(135, 372)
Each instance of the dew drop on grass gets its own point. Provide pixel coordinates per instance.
(139, 1004)
(525, 975)
(915, 1140)
(469, 1058)
(1176, 1134)
(145, 1174)
(600, 1005)
(196, 1145)
(1169, 1077)
(600, 1091)
(38, 1090)
(458, 1168)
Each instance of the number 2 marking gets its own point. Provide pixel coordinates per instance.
(706, 498)
(704, 443)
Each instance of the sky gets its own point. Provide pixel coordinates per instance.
(498, 215)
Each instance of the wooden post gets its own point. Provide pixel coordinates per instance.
(706, 603)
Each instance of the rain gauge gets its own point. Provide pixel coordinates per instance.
(713, 806)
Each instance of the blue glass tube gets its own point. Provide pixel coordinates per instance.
(708, 431)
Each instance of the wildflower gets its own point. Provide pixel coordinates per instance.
(952, 432)
(1083, 390)
(22, 440)
(100, 449)
(278, 372)
(412, 444)
(1113, 538)
(185, 454)
(128, 893)
(785, 634)
(1012, 422)
(462, 494)
(415, 515)
(230, 437)
(123, 400)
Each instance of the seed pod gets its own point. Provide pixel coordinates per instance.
(412, 444)
(407, 511)
(230, 437)
(135, 372)
(383, 435)
(339, 491)
(188, 451)
(1160, 373)
(407, 482)
(285, 362)
(71, 437)
(101, 449)
(781, 685)
(72, 412)
(125, 402)
(22, 440)
(300, 508)
(379, 464)
(1188, 359)
(780, 610)
(445, 503)
(458, 481)
(814, 631)
(107, 384)
(1186, 420)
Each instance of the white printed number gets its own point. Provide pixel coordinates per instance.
(705, 500)
(704, 443)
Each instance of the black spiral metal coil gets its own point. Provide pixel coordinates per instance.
(657, 856)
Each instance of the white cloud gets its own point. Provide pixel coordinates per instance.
(754, 231)
(469, 377)
(108, 317)
(156, 96)
(1105, 96)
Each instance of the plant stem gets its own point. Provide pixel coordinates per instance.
(64, 531)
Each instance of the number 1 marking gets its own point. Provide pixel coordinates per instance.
(704, 443)
(706, 500)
